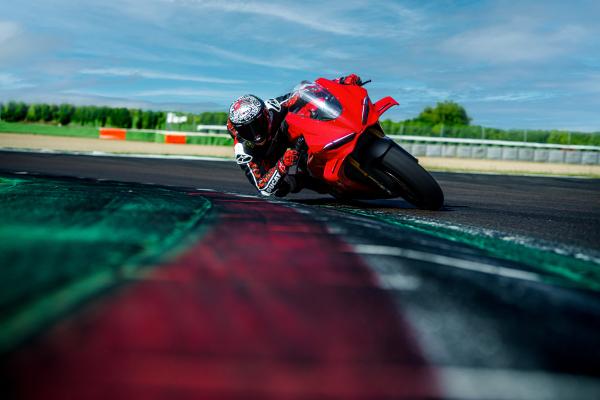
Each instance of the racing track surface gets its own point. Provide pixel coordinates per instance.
(396, 312)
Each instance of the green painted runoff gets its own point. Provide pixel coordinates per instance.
(560, 269)
(65, 240)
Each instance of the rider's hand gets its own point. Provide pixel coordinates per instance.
(290, 157)
(351, 79)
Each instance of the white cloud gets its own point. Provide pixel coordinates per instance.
(82, 98)
(586, 84)
(516, 97)
(327, 17)
(517, 41)
(285, 62)
(286, 12)
(8, 30)
(17, 45)
(140, 73)
(421, 93)
(185, 92)
(11, 82)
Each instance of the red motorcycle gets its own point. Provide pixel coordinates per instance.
(347, 149)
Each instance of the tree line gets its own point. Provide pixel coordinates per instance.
(118, 117)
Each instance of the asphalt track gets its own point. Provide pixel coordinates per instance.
(400, 311)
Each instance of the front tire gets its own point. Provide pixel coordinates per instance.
(411, 180)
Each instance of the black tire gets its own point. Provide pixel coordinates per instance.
(412, 181)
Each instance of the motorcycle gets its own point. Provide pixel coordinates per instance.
(345, 148)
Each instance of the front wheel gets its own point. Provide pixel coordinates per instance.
(411, 180)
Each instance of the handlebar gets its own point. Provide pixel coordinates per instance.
(365, 82)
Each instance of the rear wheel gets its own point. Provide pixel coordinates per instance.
(410, 180)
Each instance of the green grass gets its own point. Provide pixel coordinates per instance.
(64, 241)
(144, 137)
(226, 140)
(92, 132)
(49, 130)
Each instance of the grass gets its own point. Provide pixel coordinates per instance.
(92, 132)
(48, 130)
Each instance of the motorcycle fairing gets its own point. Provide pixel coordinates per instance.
(332, 136)
(385, 104)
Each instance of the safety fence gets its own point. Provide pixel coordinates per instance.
(419, 146)
(424, 146)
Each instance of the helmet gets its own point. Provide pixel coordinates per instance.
(250, 117)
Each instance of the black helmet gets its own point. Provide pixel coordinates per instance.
(251, 119)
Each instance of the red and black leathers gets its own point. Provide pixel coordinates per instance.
(266, 166)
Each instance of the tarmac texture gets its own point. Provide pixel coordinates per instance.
(311, 298)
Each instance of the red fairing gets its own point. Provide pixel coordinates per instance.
(384, 104)
(332, 118)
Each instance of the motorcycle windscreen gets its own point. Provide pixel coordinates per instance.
(311, 100)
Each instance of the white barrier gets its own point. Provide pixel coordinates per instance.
(485, 142)
(433, 146)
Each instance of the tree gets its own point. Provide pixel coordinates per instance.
(53, 113)
(8, 111)
(447, 112)
(20, 112)
(137, 118)
(102, 115)
(65, 112)
(119, 117)
(45, 113)
(33, 114)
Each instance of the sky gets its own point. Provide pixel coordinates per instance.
(511, 64)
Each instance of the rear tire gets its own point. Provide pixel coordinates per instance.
(411, 180)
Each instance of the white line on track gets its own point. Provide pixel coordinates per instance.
(369, 249)
(584, 254)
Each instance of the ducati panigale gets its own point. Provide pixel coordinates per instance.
(347, 150)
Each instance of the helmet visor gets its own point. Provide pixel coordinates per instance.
(256, 131)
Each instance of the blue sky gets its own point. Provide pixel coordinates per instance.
(512, 64)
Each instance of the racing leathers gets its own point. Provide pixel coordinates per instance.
(266, 166)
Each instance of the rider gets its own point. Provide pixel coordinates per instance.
(263, 147)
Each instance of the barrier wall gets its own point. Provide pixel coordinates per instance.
(422, 146)
(426, 146)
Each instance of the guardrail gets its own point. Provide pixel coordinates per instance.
(429, 146)
(487, 142)
(211, 127)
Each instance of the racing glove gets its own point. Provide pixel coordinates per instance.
(290, 157)
(351, 79)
